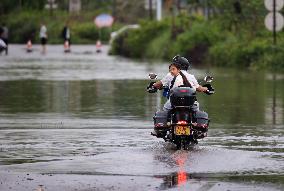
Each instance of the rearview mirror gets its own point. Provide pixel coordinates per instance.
(208, 79)
(153, 76)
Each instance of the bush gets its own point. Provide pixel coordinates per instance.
(217, 54)
(22, 27)
(194, 43)
(119, 45)
(202, 42)
(134, 42)
(160, 47)
(86, 31)
(255, 54)
(272, 58)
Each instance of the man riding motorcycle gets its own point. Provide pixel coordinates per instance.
(173, 79)
(169, 79)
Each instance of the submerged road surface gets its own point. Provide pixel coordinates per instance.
(82, 121)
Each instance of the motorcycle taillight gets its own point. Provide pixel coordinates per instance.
(182, 123)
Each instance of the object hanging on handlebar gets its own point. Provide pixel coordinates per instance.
(166, 92)
(210, 90)
(151, 89)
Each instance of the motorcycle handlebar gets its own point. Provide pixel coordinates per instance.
(151, 89)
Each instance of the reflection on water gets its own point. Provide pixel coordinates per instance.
(180, 177)
(241, 100)
(94, 98)
(274, 112)
(244, 98)
(196, 167)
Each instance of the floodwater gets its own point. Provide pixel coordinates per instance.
(82, 121)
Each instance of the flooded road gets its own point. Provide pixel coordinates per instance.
(82, 121)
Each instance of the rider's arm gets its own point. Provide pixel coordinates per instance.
(201, 89)
(163, 82)
(158, 85)
(191, 78)
(198, 87)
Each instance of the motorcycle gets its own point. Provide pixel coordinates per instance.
(184, 124)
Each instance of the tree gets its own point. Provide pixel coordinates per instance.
(7, 6)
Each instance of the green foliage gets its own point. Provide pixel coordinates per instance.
(190, 36)
(272, 58)
(92, 5)
(221, 51)
(200, 34)
(23, 27)
(88, 32)
(133, 43)
(160, 47)
(7, 6)
(205, 41)
(233, 37)
(119, 45)
(256, 54)
(139, 39)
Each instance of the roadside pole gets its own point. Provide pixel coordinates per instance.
(159, 10)
(274, 22)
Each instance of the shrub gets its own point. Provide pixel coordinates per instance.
(194, 43)
(272, 58)
(22, 27)
(119, 45)
(201, 41)
(86, 31)
(160, 47)
(134, 42)
(256, 54)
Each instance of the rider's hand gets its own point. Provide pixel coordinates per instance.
(210, 90)
(151, 89)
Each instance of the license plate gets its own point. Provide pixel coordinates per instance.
(182, 130)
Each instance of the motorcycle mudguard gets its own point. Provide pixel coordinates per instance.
(181, 116)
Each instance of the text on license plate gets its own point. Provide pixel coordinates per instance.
(182, 130)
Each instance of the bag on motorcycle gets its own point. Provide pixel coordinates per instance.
(183, 96)
(200, 121)
(160, 119)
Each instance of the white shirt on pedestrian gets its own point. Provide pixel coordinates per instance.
(42, 33)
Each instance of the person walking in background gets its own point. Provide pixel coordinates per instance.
(5, 36)
(2, 46)
(29, 42)
(98, 46)
(66, 37)
(43, 37)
